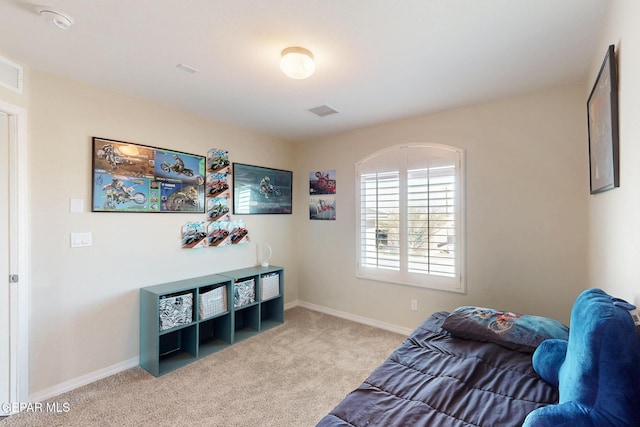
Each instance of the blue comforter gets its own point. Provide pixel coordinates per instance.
(434, 379)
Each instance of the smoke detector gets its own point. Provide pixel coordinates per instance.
(59, 19)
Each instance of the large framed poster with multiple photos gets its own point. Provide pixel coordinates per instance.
(259, 190)
(602, 110)
(130, 177)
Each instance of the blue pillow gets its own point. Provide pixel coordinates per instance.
(519, 332)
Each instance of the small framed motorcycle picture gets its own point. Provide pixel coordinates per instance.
(260, 190)
(130, 177)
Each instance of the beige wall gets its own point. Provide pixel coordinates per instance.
(527, 186)
(614, 220)
(84, 301)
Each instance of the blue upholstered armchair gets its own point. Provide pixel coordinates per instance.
(597, 371)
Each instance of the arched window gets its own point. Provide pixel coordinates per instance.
(411, 216)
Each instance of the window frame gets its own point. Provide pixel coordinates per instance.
(457, 283)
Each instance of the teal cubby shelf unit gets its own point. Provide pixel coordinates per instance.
(185, 320)
(267, 311)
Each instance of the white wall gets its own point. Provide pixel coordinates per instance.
(614, 220)
(84, 301)
(527, 189)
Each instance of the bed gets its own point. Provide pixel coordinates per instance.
(483, 374)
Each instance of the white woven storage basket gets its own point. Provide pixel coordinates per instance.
(270, 286)
(213, 302)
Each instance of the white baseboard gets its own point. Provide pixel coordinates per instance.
(292, 304)
(66, 386)
(48, 393)
(353, 317)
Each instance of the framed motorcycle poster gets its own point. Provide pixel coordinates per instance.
(130, 177)
(322, 199)
(260, 190)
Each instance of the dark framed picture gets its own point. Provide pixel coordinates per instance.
(602, 109)
(260, 190)
(130, 177)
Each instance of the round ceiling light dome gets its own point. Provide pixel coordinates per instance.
(297, 62)
(59, 19)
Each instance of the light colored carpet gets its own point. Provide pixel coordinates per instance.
(291, 375)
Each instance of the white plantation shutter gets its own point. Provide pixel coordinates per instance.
(431, 222)
(380, 210)
(411, 223)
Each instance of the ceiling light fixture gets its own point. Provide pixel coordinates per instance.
(297, 62)
(59, 19)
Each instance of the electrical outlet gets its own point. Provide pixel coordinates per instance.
(414, 305)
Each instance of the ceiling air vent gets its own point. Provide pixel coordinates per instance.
(11, 75)
(189, 69)
(323, 110)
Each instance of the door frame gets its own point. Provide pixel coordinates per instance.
(18, 253)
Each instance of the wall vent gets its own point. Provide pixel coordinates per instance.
(323, 110)
(11, 75)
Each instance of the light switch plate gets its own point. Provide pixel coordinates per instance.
(80, 240)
